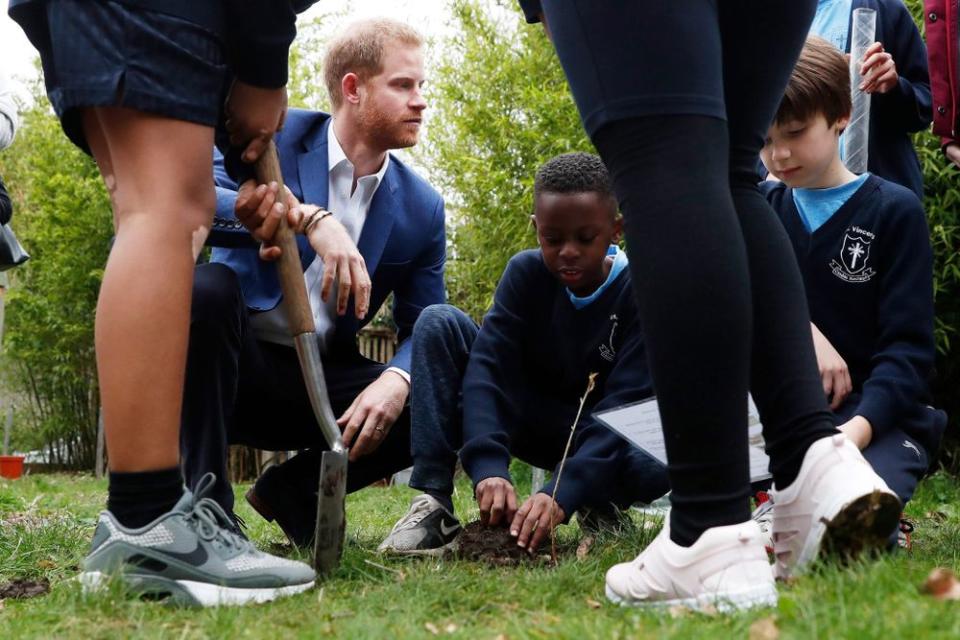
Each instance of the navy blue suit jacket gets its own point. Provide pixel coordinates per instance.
(403, 241)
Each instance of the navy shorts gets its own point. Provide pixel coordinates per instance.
(109, 54)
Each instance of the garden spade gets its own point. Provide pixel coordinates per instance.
(331, 518)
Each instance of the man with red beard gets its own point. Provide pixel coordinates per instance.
(368, 226)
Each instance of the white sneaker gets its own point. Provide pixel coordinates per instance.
(837, 503)
(726, 568)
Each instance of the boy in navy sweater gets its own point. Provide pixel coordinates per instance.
(512, 387)
(864, 250)
(894, 71)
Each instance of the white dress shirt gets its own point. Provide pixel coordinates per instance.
(349, 206)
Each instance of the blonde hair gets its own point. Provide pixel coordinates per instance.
(359, 50)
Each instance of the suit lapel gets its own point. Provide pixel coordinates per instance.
(312, 169)
(379, 222)
(312, 180)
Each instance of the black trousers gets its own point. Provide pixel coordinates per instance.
(677, 97)
(240, 390)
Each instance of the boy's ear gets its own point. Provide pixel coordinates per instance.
(617, 228)
(842, 123)
(533, 221)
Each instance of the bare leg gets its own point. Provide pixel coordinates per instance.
(158, 173)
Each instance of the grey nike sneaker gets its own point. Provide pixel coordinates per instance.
(428, 529)
(190, 556)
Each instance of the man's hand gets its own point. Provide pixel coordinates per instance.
(534, 521)
(253, 116)
(859, 430)
(952, 152)
(834, 372)
(373, 412)
(878, 70)
(341, 261)
(497, 501)
(258, 209)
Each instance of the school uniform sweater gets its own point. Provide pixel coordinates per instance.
(534, 338)
(905, 109)
(868, 273)
(257, 33)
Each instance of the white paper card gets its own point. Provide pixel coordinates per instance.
(639, 424)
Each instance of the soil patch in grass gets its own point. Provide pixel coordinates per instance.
(19, 589)
(493, 545)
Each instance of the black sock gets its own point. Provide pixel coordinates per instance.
(445, 500)
(138, 498)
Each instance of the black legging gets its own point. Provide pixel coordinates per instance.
(720, 294)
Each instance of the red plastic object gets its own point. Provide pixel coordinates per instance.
(11, 467)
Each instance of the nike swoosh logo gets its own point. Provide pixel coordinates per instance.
(447, 531)
(909, 445)
(196, 557)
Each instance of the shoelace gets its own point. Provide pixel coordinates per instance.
(209, 519)
(414, 519)
(764, 513)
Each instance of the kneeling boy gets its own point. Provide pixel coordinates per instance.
(512, 387)
(864, 251)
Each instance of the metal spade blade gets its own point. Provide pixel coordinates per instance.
(331, 518)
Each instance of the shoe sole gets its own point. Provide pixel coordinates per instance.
(190, 592)
(750, 598)
(864, 525)
(429, 553)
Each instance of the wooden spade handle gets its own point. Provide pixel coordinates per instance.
(292, 284)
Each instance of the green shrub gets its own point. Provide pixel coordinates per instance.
(500, 108)
(62, 215)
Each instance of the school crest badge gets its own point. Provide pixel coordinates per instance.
(853, 264)
(607, 351)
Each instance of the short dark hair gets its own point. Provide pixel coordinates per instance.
(819, 84)
(576, 172)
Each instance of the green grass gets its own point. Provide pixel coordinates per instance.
(46, 522)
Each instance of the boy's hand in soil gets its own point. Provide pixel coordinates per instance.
(254, 114)
(497, 501)
(534, 521)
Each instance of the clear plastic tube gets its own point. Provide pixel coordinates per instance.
(856, 138)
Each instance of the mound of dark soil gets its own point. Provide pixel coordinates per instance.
(493, 545)
(24, 588)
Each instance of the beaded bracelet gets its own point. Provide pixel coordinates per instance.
(317, 216)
